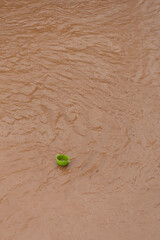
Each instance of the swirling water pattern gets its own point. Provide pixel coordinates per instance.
(82, 78)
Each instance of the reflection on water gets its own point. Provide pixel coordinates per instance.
(81, 78)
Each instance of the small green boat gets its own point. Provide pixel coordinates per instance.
(62, 160)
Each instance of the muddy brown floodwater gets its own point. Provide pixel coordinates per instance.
(81, 78)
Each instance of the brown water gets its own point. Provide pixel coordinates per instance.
(81, 78)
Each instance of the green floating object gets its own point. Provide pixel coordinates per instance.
(62, 160)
